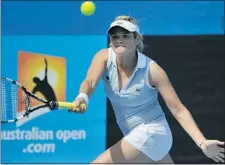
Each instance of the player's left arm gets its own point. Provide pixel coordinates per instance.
(160, 80)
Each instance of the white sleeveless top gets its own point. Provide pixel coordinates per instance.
(137, 101)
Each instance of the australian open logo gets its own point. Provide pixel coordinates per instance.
(44, 76)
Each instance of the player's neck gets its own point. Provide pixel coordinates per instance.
(127, 62)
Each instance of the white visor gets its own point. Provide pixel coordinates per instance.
(124, 24)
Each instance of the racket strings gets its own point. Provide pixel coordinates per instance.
(8, 100)
(22, 101)
(14, 101)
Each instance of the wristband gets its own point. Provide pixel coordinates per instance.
(84, 96)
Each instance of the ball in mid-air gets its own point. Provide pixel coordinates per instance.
(87, 8)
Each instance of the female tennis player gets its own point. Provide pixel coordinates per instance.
(132, 82)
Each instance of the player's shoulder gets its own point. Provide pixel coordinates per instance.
(148, 59)
(153, 66)
(104, 51)
(103, 54)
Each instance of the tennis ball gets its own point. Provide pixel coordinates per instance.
(87, 8)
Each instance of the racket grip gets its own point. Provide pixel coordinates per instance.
(66, 105)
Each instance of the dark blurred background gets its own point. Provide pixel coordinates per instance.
(196, 67)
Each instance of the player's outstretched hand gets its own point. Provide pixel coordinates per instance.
(214, 149)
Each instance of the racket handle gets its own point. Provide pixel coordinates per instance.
(66, 105)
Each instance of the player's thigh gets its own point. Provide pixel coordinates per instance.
(138, 157)
(122, 152)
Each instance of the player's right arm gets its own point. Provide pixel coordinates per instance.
(93, 75)
(94, 72)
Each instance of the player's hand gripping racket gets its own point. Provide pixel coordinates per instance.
(11, 90)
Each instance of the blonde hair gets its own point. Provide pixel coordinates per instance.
(140, 45)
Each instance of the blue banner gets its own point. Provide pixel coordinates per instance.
(56, 136)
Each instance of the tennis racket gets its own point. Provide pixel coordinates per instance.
(15, 96)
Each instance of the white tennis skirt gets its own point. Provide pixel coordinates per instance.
(154, 139)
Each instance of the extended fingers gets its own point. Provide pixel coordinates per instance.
(222, 155)
(221, 149)
(217, 158)
(220, 143)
